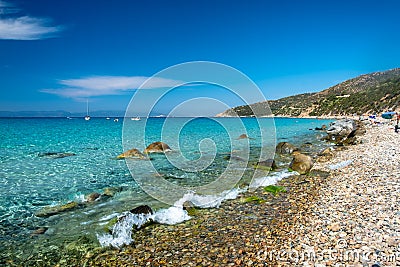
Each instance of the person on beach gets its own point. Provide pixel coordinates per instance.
(396, 127)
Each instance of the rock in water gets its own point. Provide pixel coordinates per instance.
(285, 148)
(56, 155)
(143, 209)
(243, 136)
(111, 191)
(301, 163)
(142, 216)
(268, 164)
(157, 147)
(92, 197)
(131, 154)
(322, 128)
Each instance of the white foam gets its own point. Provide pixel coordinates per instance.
(201, 201)
(209, 201)
(172, 215)
(121, 234)
(233, 194)
(122, 230)
(80, 198)
(272, 179)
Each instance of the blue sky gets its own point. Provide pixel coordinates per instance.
(55, 54)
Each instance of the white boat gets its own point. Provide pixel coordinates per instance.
(135, 119)
(116, 119)
(87, 117)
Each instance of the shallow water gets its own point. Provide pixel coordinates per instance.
(32, 180)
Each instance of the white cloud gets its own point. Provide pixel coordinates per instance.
(25, 27)
(7, 8)
(108, 85)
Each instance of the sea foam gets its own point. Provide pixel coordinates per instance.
(172, 215)
(272, 179)
(122, 230)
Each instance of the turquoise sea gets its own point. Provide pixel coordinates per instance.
(47, 162)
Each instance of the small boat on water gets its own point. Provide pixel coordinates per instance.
(116, 119)
(135, 119)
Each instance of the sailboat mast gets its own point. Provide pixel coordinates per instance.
(87, 117)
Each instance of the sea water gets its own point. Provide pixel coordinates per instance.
(35, 175)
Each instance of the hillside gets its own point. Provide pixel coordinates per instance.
(368, 93)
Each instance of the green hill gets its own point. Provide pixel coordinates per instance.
(368, 93)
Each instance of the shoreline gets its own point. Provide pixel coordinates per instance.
(311, 217)
(231, 235)
(250, 233)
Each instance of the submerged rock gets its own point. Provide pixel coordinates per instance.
(301, 163)
(157, 147)
(56, 155)
(306, 147)
(285, 148)
(131, 154)
(39, 231)
(234, 157)
(50, 211)
(268, 164)
(93, 197)
(111, 191)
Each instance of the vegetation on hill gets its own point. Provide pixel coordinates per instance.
(366, 94)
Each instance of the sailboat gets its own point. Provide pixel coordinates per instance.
(87, 117)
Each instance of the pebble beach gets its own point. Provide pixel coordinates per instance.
(343, 213)
(356, 219)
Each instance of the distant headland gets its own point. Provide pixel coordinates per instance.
(366, 94)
